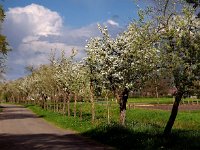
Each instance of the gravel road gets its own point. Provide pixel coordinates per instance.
(20, 129)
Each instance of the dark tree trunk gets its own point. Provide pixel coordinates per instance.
(173, 115)
(44, 99)
(123, 97)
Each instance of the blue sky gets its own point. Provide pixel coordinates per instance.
(34, 27)
(77, 13)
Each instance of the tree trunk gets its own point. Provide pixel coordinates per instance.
(81, 111)
(12, 99)
(123, 97)
(157, 94)
(108, 110)
(43, 101)
(116, 95)
(92, 101)
(64, 103)
(75, 102)
(18, 99)
(173, 115)
(68, 104)
(54, 102)
(57, 102)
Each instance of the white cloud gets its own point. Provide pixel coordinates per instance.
(33, 31)
(30, 39)
(40, 20)
(38, 51)
(86, 31)
(112, 22)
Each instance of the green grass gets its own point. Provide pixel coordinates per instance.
(151, 100)
(143, 127)
(128, 138)
(161, 100)
(61, 120)
(159, 118)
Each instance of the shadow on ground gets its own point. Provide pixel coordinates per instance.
(19, 116)
(46, 142)
(1, 106)
(16, 113)
(126, 139)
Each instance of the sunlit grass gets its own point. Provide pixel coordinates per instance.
(162, 100)
(185, 120)
(143, 128)
(62, 120)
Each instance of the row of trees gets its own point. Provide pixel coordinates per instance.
(161, 43)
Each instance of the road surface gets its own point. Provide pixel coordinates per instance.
(20, 129)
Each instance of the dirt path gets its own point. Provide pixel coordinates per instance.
(20, 129)
(182, 107)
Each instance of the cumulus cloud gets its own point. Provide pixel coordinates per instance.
(29, 30)
(33, 31)
(39, 20)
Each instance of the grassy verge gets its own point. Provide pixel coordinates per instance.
(143, 129)
(62, 121)
(161, 100)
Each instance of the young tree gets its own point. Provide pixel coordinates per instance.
(180, 51)
(123, 62)
(179, 30)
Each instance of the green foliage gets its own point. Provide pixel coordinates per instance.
(2, 15)
(180, 49)
(3, 42)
